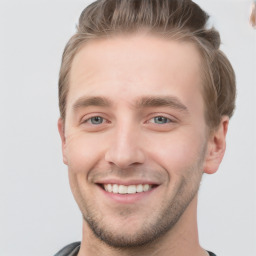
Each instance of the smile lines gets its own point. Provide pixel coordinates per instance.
(131, 189)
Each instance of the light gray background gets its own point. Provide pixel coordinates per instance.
(38, 214)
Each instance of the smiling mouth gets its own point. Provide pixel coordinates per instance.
(130, 189)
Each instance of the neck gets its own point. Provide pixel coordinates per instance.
(181, 240)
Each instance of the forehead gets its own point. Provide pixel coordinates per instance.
(127, 66)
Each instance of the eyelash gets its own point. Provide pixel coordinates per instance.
(89, 119)
(168, 120)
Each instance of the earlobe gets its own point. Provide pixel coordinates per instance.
(63, 139)
(216, 147)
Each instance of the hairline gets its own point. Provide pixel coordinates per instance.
(176, 34)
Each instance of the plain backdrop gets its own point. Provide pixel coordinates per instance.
(38, 215)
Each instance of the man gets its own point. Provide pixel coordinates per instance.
(145, 99)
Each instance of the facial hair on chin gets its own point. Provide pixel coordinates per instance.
(152, 230)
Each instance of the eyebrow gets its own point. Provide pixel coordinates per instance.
(166, 101)
(144, 102)
(91, 101)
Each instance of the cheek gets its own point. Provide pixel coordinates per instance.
(176, 152)
(82, 152)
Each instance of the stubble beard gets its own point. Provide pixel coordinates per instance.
(168, 215)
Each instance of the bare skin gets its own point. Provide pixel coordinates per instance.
(135, 115)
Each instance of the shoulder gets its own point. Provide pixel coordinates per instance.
(69, 250)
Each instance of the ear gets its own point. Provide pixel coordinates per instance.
(61, 128)
(216, 147)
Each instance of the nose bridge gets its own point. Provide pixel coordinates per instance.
(125, 148)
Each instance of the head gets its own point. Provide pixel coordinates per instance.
(177, 20)
(145, 96)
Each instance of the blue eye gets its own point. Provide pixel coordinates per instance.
(96, 120)
(161, 120)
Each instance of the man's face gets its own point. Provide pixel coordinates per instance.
(134, 122)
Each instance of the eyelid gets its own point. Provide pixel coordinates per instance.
(168, 119)
(90, 120)
(168, 116)
(87, 117)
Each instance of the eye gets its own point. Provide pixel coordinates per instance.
(160, 120)
(96, 120)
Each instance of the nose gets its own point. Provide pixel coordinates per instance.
(125, 148)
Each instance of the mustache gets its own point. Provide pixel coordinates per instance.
(134, 172)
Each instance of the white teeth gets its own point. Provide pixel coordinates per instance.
(146, 187)
(122, 189)
(109, 188)
(131, 189)
(115, 189)
(139, 188)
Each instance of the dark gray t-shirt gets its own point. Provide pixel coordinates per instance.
(73, 249)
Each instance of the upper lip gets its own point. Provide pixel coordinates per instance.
(126, 182)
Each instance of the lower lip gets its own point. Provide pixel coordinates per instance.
(128, 198)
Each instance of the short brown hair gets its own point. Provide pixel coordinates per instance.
(176, 19)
